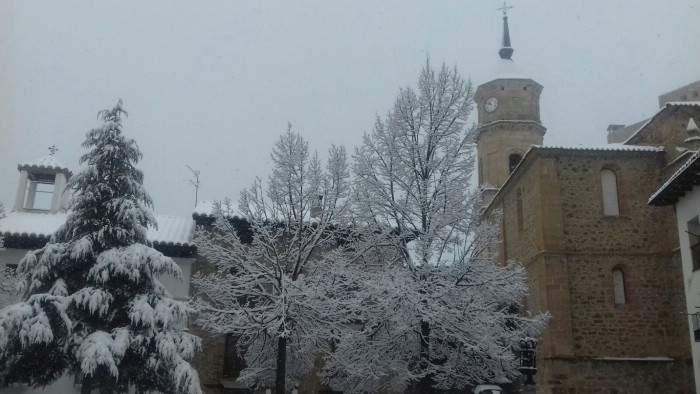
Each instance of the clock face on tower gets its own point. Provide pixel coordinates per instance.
(491, 104)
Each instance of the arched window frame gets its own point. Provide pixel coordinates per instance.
(610, 192)
(619, 287)
(514, 159)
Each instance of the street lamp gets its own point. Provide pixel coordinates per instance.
(528, 360)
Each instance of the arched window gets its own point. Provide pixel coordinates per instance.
(519, 208)
(513, 161)
(611, 206)
(619, 286)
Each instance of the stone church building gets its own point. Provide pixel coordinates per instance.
(604, 263)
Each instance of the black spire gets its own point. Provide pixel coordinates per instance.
(506, 50)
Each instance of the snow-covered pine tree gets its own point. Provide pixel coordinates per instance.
(437, 312)
(91, 303)
(7, 280)
(273, 293)
(2, 215)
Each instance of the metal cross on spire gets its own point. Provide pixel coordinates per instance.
(506, 50)
(53, 149)
(505, 8)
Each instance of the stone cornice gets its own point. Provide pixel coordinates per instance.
(511, 125)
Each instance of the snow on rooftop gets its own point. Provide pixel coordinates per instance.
(506, 69)
(47, 162)
(36, 224)
(204, 208)
(171, 229)
(692, 159)
(606, 147)
(682, 104)
(667, 105)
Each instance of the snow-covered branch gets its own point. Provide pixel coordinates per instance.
(271, 292)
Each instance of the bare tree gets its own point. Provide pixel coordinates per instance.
(436, 310)
(272, 290)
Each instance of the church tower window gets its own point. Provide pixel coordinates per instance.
(513, 161)
(619, 286)
(611, 205)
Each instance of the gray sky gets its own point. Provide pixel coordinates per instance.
(213, 84)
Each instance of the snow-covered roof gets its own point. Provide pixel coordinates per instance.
(45, 163)
(581, 148)
(204, 208)
(172, 230)
(606, 147)
(34, 224)
(679, 183)
(669, 105)
(506, 69)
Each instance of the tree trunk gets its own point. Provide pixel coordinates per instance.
(86, 387)
(425, 384)
(280, 387)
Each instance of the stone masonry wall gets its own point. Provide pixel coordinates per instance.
(560, 376)
(649, 324)
(669, 131)
(570, 248)
(638, 229)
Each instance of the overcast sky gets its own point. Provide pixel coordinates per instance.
(213, 84)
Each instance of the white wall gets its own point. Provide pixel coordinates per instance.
(687, 208)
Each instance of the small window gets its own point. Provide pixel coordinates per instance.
(619, 286)
(513, 161)
(611, 205)
(39, 195)
(694, 241)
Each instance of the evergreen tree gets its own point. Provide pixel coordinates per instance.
(91, 303)
(7, 280)
(2, 215)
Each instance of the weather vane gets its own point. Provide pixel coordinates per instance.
(53, 149)
(505, 8)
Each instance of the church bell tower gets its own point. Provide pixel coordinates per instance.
(509, 119)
